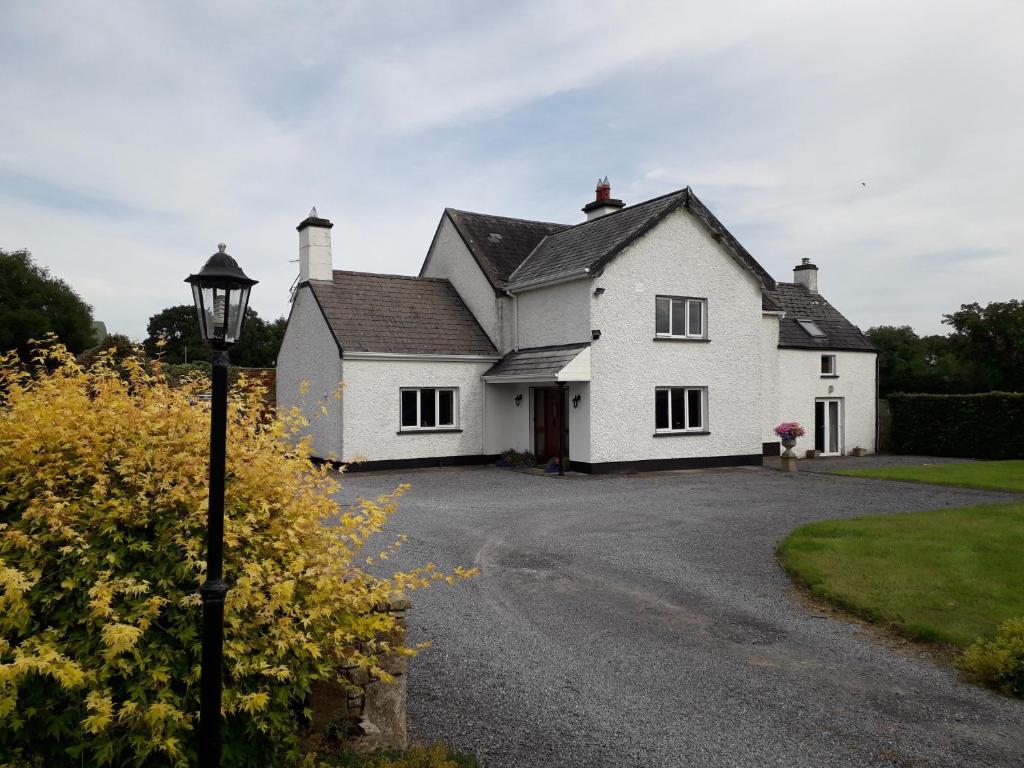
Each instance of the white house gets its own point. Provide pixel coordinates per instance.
(645, 337)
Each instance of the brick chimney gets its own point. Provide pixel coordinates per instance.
(315, 261)
(603, 202)
(806, 274)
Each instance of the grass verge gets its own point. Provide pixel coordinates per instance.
(990, 475)
(947, 576)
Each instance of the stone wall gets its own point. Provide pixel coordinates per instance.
(369, 711)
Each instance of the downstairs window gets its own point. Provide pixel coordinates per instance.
(680, 409)
(428, 408)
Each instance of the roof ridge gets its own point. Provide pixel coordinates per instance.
(387, 274)
(643, 225)
(621, 210)
(509, 218)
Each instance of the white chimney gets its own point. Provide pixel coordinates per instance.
(315, 262)
(806, 274)
(603, 202)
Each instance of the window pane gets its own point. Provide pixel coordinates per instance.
(678, 409)
(427, 406)
(446, 408)
(833, 426)
(696, 310)
(827, 363)
(661, 409)
(812, 328)
(408, 407)
(695, 414)
(661, 315)
(678, 317)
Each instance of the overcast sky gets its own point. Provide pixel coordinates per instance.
(884, 140)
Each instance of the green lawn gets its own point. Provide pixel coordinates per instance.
(947, 576)
(993, 475)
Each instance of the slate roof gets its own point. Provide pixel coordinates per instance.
(536, 361)
(498, 243)
(399, 314)
(800, 304)
(593, 244)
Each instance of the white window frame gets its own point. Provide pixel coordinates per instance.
(687, 300)
(833, 371)
(703, 427)
(438, 427)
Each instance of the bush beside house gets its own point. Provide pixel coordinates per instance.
(103, 498)
(982, 426)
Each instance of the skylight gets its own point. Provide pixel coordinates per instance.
(812, 328)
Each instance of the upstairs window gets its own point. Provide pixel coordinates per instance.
(680, 318)
(812, 328)
(828, 365)
(429, 408)
(680, 409)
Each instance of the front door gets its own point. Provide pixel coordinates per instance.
(828, 426)
(547, 423)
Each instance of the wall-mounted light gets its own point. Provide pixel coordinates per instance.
(595, 334)
(576, 401)
(519, 399)
(598, 291)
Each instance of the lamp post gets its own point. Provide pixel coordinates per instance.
(221, 294)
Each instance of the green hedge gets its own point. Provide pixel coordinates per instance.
(985, 426)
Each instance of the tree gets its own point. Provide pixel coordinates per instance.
(911, 363)
(257, 348)
(33, 303)
(104, 515)
(991, 338)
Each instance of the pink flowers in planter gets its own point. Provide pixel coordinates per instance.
(789, 430)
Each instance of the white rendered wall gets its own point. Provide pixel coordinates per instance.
(309, 354)
(770, 378)
(450, 258)
(508, 425)
(371, 408)
(559, 314)
(579, 422)
(679, 258)
(800, 383)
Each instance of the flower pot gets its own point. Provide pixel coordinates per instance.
(789, 445)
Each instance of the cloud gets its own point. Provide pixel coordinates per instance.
(137, 136)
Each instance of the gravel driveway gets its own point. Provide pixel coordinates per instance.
(644, 621)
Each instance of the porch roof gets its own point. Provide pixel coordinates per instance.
(562, 362)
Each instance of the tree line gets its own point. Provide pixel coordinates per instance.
(984, 352)
(34, 303)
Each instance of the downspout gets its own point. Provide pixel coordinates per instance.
(878, 421)
(515, 322)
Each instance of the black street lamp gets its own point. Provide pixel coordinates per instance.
(221, 293)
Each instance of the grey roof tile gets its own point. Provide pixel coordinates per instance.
(498, 243)
(536, 361)
(800, 304)
(395, 313)
(593, 244)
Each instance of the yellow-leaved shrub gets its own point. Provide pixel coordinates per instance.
(103, 500)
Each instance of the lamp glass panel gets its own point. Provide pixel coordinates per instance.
(238, 299)
(197, 298)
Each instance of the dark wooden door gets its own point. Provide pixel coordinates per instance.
(547, 423)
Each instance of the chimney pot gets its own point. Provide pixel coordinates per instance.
(603, 202)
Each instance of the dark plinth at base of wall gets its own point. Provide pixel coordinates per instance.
(771, 449)
(664, 465)
(434, 461)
